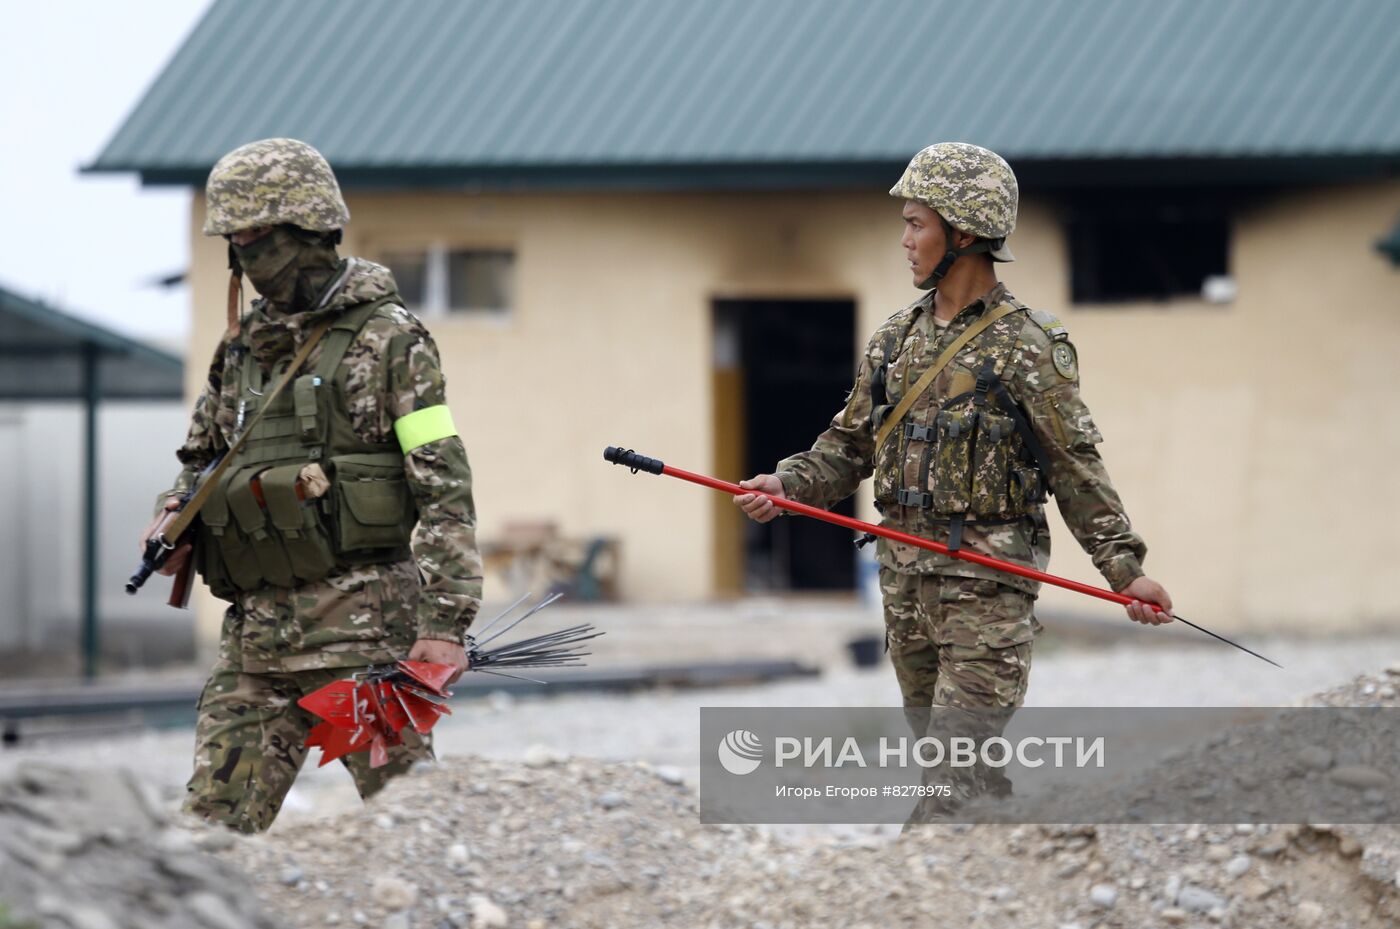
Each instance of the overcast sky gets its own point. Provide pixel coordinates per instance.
(89, 244)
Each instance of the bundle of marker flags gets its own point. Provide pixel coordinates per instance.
(369, 710)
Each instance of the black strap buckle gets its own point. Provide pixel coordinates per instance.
(910, 496)
(919, 433)
(985, 378)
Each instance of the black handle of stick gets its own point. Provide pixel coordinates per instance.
(630, 459)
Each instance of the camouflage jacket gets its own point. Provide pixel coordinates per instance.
(369, 613)
(1048, 395)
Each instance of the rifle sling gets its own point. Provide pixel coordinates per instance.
(190, 510)
(1028, 436)
(925, 379)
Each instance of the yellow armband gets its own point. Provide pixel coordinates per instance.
(424, 426)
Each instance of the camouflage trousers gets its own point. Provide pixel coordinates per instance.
(250, 742)
(961, 643)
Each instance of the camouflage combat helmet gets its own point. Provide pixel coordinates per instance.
(971, 188)
(271, 182)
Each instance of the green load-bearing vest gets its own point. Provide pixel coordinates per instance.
(256, 530)
(978, 460)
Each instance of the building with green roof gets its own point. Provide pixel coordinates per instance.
(664, 225)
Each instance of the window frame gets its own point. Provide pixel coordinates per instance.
(437, 288)
(1149, 206)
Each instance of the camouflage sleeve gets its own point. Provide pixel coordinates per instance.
(840, 458)
(204, 441)
(1091, 507)
(444, 541)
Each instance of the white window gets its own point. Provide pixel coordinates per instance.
(438, 280)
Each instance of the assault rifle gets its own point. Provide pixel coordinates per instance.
(160, 544)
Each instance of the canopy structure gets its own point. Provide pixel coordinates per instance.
(47, 355)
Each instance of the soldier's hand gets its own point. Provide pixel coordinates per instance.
(1146, 590)
(176, 559)
(757, 508)
(439, 651)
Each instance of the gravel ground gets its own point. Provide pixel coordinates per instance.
(582, 843)
(1143, 668)
(590, 844)
(580, 811)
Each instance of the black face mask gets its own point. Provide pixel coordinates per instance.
(288, 266)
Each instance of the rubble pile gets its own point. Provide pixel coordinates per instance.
(1333, 759)
(579, 843)
(92, 850)
(1363, 690)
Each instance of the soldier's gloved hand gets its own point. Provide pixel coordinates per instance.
(176, 560)
(761, 509)
(1148, 591)
(440, 651)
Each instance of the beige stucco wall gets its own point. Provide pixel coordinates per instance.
(1251, 442)
(1254, 443)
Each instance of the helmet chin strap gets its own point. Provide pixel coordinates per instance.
(235, 292)
(951, 255)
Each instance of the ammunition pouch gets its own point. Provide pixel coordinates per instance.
(226, 558)
(374, 512)
(978, 465)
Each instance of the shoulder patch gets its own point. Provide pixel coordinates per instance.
(1066, 363)
(1051, 324)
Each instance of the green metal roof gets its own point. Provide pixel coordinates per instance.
(43, 351)
(743, 92)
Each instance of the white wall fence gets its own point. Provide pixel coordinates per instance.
(41, 526)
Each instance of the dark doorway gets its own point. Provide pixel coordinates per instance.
(783, 368)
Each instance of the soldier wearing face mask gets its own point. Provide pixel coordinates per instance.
(343, 532)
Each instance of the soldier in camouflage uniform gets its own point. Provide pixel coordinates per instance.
(970, 455)
(343, 534)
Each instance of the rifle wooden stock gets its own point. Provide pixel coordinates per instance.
(184, 581)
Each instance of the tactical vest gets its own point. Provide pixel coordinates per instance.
(978, 460)
(260, 527)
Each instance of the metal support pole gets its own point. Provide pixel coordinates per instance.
(91, 645)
